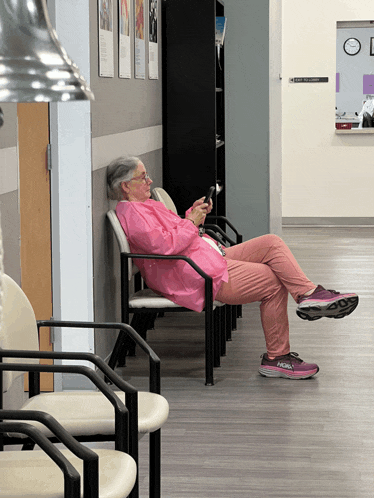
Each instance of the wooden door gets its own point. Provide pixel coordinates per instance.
(34, 188)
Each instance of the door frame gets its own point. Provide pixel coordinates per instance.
(71, 194)
(35, 219)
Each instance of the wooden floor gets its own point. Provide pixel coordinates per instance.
(254, 437)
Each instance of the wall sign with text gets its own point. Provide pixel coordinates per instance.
(311, 79)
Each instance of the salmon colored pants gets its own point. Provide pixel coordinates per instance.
(264, 269)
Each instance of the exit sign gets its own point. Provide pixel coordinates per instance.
(310, 79)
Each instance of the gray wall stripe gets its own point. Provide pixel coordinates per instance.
(133, 143)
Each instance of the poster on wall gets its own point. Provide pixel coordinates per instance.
(153, 46)
(124, 46)
(105, 19)
(139, 40)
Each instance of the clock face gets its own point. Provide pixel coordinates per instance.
(352, 46)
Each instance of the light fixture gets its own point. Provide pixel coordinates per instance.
(34, 67)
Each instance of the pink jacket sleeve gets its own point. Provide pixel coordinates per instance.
(153, 229)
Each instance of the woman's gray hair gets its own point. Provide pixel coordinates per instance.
(120, 170)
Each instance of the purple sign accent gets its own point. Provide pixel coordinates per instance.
(337, 82)
(368, 84)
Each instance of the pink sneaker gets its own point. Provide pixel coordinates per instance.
(288, 366)
(328, 303)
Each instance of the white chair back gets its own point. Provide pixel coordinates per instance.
(18, 329)
(121, 239)
(159, 194)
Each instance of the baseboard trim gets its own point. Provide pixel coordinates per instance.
(333, 221)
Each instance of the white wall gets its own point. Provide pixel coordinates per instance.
(324, 174)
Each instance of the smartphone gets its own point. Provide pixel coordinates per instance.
(209, 194)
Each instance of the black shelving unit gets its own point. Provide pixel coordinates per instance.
(193, 102)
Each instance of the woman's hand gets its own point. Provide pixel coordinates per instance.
(199, 212)
(198, 202)
(201, 201)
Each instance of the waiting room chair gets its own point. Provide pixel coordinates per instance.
(145, 303)
(57, 473)
(216, 232)
(88, 416)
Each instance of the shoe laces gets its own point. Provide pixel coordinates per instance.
(328, 290)
(293, 356)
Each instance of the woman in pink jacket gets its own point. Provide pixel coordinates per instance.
(261, 269)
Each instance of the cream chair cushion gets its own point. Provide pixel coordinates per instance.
(146, 298)
(33, 474)
(90, 413)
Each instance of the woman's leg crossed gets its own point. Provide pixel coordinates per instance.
(270, 250)
(251, 282)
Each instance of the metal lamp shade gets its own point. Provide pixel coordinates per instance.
(34, 67)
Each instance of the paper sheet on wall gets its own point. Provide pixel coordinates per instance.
(153, 41)
(139, 40)
(124, 48)
(105, 20)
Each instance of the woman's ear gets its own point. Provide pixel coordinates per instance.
(125, 189)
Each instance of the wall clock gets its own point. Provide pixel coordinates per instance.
(352, 46)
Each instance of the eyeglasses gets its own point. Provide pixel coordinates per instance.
(144, 178)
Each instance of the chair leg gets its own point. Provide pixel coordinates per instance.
(217, 338)
(209, 348)
(117, 350)
(30, 445)
(155, 464)
(122, 347)
(150, 323)
(136, 325)
(233, 317)
(240, 311)
(141, 323)
(222, 327)
(228, 322)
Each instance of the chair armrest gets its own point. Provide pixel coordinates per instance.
(206, 277)
(239, 237)
(71, 475)
(213, 234)
(55, 427)
(54, 355)
(121, 411)
(154, 360)
(197, 268)
(218, 229)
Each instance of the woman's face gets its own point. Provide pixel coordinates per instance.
(138, 189)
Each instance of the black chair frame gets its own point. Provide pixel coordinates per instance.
(126, 417)
(212, 341)
(72, 478)
(127, 332)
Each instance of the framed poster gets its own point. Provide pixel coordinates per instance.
(139, 40)
(105, 20)
(124, 43)
(153, 45)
